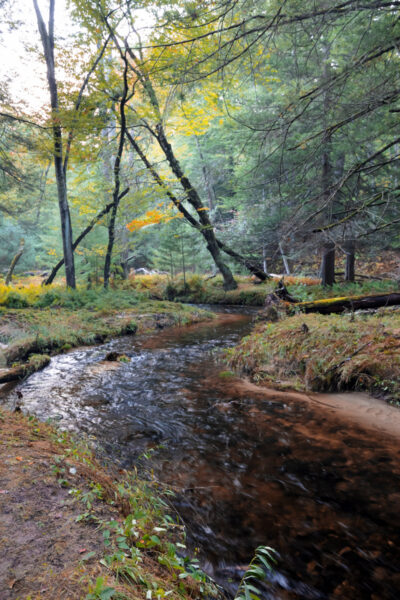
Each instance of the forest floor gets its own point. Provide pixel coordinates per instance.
(73, 529)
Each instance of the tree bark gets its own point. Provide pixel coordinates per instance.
(193, 197)
(14, 261)
(328, 264)
(117, 178)
(284, 259)
(47, 37)
(349, 248)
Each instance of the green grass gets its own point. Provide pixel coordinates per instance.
(198, 290)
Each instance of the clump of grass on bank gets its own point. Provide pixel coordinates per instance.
(133, 547)
(325, 352)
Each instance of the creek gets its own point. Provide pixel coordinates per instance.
(249, 466)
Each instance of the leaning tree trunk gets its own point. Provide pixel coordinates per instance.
(248, 264)
(14, 261)
(82, 235)
(328, 264)
(207, 229)
(349, 248)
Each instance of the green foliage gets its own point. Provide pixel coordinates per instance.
(256, 571)
(100, 591)
(95, 300)
(16, 300)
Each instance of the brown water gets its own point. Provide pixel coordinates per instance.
(317, 478)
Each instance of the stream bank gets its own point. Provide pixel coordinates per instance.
(28, 335)
(72, 528)
(313, 352)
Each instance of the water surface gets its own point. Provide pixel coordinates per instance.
(249, 467)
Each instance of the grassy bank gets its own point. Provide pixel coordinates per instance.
(325, 353)
(73, 529)
(36, 321)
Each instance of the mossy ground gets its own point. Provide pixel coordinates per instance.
(73, 529)
(325, 352)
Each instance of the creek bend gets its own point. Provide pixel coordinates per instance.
(249, 466)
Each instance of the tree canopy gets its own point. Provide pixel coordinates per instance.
(252, 131)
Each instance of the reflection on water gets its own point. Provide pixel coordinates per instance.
(249, 468)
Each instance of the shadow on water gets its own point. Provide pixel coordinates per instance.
(249, 467)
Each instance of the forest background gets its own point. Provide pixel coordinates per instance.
(237, 135)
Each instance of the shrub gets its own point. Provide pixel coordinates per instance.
(15, 300)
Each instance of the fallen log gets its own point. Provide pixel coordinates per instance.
(337, 305)
(20, 371)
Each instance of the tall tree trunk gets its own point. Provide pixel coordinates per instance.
(349, 248)
(82, 235)
(117, 177)
(264, 255)
(47, 37)
(284, 259)
(206, 176)
(328, 264)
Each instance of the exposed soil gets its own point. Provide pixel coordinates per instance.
(41, 544)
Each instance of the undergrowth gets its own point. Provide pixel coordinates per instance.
(141, 553)
(37, 296)
(198, 289)
(144, 545)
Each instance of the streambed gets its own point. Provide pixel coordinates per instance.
(249, 466)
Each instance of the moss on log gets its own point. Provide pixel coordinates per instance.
(338, 305)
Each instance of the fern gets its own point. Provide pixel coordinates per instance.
(262, 562)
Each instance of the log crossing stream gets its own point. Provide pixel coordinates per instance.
(317, 478)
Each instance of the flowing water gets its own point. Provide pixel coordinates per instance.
(249, 466)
